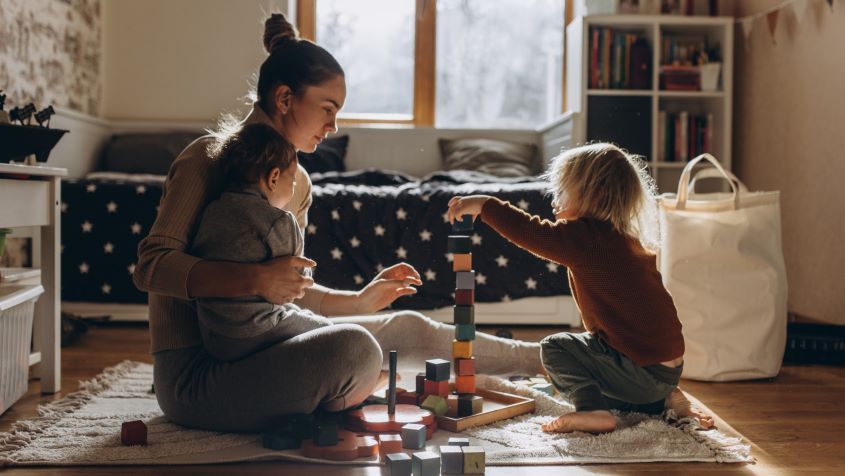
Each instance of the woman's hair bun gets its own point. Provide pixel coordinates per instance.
(277, 29)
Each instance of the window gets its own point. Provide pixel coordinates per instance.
(496, 63)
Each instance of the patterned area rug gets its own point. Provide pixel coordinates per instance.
(83, 428)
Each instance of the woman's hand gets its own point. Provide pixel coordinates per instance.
(471, 205)
(279, 281)
(389, 285)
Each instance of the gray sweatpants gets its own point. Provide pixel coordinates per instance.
(594, 376)
(333, 368)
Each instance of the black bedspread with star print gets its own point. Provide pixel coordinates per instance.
(359, 223)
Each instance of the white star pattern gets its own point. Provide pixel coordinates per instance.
(335, 215)
(379, 267)
(401, 253)
(480, 279)
(401, 214)
(426, 198)
(476, 239)
(522, 204)
(131, 269)
(64, 207)
(430, 275)
(445, 217)
(87, 227)
(311, 229)
(140, 189)
(450, 257)
(530, 283)
(91, 188)
(425, 235)
(358, 279)
(552, 267)
(106, 288)
(136, 228)
(336, 253)
(83, 268)
(379, 230)
(502, 261)
(111, 207)
(506, 298)
(356, 204)
(108, 248)
(355, 242)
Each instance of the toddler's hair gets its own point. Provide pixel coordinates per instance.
(249, 154)
(602, 181)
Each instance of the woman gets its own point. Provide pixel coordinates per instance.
(300, 90)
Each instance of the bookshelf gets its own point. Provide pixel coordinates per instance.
(641, 113)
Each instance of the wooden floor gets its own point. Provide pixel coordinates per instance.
(796, 423)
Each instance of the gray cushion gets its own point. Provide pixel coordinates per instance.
(495, 157)
(144, 153)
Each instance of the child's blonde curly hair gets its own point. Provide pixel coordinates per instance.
(604, 182)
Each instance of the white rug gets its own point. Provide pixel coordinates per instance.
(83, 428)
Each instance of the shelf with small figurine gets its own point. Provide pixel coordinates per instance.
(20, 139)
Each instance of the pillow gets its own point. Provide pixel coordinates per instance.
(495, 157)
(327, 158)
(144, 153)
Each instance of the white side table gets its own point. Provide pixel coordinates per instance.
(30, 197)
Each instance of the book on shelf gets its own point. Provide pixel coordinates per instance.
(618, 59)
(682, 136)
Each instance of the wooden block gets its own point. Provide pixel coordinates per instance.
(462, 262)
(464, 297)
(465, 280)
(133, 433)
(435, 404)
(464, 331)
(465, 383)
(425, 463)
(408, 398)
(470, 405)
(462, 224)
(302, 425)
(461, 349)
(281, 439)
(544, 387)
(459, 244)
(389, 443)
(376, 419)
(440, 388)
(437, 369)
(349, 446)
(452, 403)
(325, 433)
(463, 314)
(398, 464)
(456, 441)
(451, 459)
(413, 436)
(474, 459)
(465, 366)
(420, 383)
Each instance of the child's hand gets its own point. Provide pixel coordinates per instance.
(471, 205)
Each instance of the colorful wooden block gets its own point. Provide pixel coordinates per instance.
(465, 366)
(470, 405)
(457, 441)
(435, 404)
(133, 433)
(461, 349)
(325, 433)
(464, 297)
(398, 464)
(420, 389)
(425, 463)
(349, 446)
(408, 398)
(413, 436)
(389, 443)
(452, 403)
(302, 425)
(465, 383)
(462, 224)
(459, 244)
(465, 280)
(474, 459)
(281, 439)
(462, 262)
(544, 387)
(463, 314)
(451, 459)
(464, 331)
(440, 388)
(437, 369)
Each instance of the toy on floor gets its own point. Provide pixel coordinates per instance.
(349, 446)
(133, 433)
(425, 463)
(463, 459)
(398, 464)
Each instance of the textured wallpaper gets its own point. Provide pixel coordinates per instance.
(50, 53)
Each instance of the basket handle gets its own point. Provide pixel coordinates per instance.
(684, 182)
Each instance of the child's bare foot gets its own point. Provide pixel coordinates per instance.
(678, 402)
(597, 421)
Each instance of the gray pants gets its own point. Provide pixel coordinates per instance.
(594, 376)
(333, 368)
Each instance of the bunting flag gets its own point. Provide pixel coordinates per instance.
(772, 19)
(830, 2)
(799, 8)
(747, 26)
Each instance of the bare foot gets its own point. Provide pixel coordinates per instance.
(597, 421)
(682, 407)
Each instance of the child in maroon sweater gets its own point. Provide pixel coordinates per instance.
(631, 356)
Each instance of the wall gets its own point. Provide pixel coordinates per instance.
(50, 53)
(789, 136)
(184, 60)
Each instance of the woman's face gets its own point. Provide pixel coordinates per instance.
(313, 115)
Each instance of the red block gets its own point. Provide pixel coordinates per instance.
(464, 297)
(407, 398)
(465, 366)
(465, 383)
(437, 388)
(133, 433)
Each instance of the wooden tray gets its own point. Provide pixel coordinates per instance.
(497, 406)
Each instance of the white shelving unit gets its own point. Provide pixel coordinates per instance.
(653, 28)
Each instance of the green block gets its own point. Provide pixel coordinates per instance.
(435, 404)
(464, 315)
(465, 331)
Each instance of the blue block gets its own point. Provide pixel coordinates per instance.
(425, 463)
(413, 436)
(462, 224)
(464, 331)
(398, 464)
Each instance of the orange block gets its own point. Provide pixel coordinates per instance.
(465, 383)
(465, 366)
(462, 262)
(387, 444)
(461, 349)
(452, 402)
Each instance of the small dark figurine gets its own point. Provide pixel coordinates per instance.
(22, 114)
(43, 116)
(2, 100)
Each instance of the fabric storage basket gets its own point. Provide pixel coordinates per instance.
(17, 306)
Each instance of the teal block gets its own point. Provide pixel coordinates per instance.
(465, 331)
